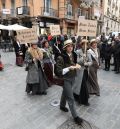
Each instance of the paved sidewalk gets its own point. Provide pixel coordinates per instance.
(21, 111)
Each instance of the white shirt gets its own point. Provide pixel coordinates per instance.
(96, 52)
(66, 70)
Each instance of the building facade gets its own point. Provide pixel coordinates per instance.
(43, 13)
(111, 16)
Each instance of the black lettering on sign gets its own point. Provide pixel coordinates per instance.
(82, 24)
(91, 31)
(81, 30)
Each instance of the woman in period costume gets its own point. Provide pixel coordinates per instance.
(66, 65)
(93, 86)
(36, 79)
(48, 61)
(80, 86)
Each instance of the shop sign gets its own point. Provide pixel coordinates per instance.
(41, 24)
(20, 11)
(87, 27)
(27, 36)
(55, 29)
(6, 11)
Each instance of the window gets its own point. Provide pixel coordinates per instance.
(79, 12)
(13, 4)
(24, 2)
(3, 4)
(13, 7)
(69, 10)
(47, 5)
(86, 15)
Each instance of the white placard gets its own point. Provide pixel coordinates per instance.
(87, 27)
(55, 29)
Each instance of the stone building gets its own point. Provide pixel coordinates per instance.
(43, 13)
(111, 16)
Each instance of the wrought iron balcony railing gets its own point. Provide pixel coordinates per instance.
(49, 12)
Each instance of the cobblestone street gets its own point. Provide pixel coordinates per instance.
(21, 111)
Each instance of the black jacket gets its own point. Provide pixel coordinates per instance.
(64, 61)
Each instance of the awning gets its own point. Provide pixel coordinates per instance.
(12, 27)
(16, 27)
(3, 27)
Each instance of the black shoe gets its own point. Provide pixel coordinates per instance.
(87, 104)
(117, 72)
(78, 120)
(97, 94)
(38, 93)
(105, 69)
(44, 93)
(64, 109)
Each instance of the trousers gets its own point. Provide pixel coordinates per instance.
(67, 95)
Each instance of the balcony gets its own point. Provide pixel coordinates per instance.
(49, 12)
(23, 10)
(64, 13)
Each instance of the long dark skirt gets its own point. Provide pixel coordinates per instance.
(48, 69)
(83, 97)
(38, 88)
(92, 83)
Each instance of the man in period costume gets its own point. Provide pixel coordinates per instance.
(66, 66)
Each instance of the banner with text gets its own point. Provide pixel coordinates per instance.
(87, 27)
(55, 29)
(27, 35)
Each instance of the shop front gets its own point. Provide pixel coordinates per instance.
(44, 24)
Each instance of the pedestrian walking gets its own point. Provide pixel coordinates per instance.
(108, 53)
(18, 52)
(80, 88)
(36, 80)
(66, 66)
(92, 83)
(48, 61)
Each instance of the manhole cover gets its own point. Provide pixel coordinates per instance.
(70, 124)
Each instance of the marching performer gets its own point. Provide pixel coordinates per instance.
(80, 86)
(36, 79)
(66, 66)
(93, 86)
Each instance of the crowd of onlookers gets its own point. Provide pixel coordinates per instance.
(110, 52)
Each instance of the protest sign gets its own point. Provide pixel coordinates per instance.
(27, 35)
(87, 27)
(55, 29)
